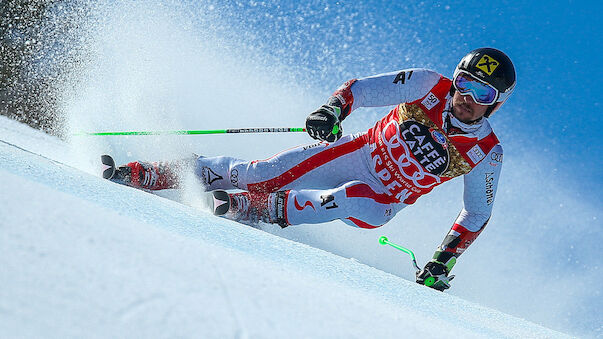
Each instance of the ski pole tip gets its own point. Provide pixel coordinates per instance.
(383, 240)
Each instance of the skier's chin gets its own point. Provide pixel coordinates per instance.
(463, 113)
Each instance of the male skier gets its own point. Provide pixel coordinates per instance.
(438, 130)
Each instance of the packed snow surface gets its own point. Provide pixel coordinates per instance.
(84, 257)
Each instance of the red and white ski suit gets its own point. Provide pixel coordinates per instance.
(366, 178)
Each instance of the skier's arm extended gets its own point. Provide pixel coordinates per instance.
(379, 90)
(478, 199)
(387, 89)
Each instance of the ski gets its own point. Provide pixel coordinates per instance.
(109, 166)
(113, 173)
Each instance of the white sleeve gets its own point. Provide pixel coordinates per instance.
(480, 189)
(393, 88)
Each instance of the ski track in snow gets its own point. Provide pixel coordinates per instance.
(84, 257)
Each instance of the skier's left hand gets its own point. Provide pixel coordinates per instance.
(434, 275)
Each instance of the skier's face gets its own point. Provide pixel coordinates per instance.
(466, 109)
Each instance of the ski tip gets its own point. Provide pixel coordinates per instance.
(108, 166)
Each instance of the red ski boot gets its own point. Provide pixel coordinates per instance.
(151, 176)
(249, 208)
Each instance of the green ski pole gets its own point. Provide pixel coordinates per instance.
(192, 132)
(384, 241)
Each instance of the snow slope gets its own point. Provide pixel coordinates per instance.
(83, 257)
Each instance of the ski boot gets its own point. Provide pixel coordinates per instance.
(138, 174)
(248, 208)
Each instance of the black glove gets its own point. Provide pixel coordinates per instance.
(435, 275)
(323, 124)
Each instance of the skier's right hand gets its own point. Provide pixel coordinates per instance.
(324, 124)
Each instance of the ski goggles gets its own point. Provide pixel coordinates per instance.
(481, 92)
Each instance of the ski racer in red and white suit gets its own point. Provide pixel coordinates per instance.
(366, 178)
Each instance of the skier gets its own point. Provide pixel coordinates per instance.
(438, 130)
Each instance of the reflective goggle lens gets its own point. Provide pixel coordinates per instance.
(481, 92)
